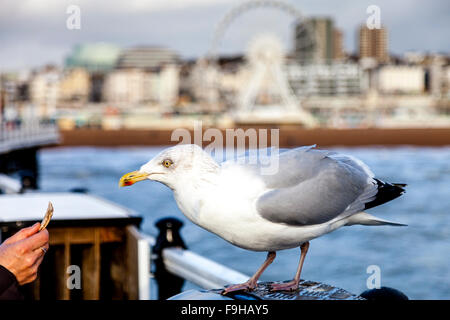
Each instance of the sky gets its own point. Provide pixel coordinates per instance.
(34, 32)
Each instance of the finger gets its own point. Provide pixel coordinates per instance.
(29, 278)
(37, 240)
(43, 249)
(34, 270)
(32, 263)
(38, 263)
(24, 233)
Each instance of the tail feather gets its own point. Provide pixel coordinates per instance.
(366, 219)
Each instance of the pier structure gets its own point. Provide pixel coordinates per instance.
(99, 252)
(21, 138)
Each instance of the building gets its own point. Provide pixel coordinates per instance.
(438, 66)
(373, 43)
(164, 85)
(336, 79)
(125, 87)
(95, 57)
(75, 85)
(132, 86)
(401, 79)
(338, 48)
(447, 83)
(44, 91)
(144, 75)
(318, 40)
(146, 58)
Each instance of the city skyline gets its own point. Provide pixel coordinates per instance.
(34, 34)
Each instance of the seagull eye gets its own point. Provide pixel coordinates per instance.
(167, 163)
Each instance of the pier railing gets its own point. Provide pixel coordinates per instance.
(199, 270)
(172, 263)
(33, 134)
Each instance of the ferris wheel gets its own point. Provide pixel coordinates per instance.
(236, 12)
(265, 62)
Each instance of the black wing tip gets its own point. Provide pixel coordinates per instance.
(386, 192)
(382, 184)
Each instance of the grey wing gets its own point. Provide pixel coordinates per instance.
(281, 160)
(315, 186)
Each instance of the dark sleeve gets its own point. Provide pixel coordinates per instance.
(9, 287)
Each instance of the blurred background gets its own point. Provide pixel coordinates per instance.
(91, 90)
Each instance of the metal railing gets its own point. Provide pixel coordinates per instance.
(9, 185)
(27, 135)
(171, 264)
(199, 270)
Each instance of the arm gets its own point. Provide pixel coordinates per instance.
(9, 287)
(21, 255)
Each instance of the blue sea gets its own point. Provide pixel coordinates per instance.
(413, 259)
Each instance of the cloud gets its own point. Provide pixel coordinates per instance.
(34, 32)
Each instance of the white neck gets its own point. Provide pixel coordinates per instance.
(190, 188)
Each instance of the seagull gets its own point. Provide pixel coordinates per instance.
(312, 192)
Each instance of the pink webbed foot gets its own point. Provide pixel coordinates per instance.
(252, 282)
(286, 286)
(246, 286)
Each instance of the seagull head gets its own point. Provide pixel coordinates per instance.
(172, 166)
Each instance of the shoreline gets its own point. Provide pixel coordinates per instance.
(288, 137)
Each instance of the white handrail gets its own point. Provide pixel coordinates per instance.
(27, 136)
(9, 185)
(199, 270)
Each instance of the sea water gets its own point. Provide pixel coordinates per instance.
(413, 259)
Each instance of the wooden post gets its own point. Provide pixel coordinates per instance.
(62, 261)
(90, 269)
(132, 282)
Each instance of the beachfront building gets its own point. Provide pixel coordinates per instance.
(131, 87)
(44, 91)
(337, 79)
(75, 85)
(401, 79)
(447, 82)
(318, 40)
(373, 43)
(94, 57)
(98, 59)
(164, 85)
(144, 75)
(124, 87)
(438, 66)
(146, 58)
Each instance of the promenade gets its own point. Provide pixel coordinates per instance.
(288, 137)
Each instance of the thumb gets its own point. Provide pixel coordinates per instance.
(24, 233)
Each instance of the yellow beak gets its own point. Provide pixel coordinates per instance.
(131, 178)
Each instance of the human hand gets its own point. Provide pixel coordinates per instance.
(23, 252)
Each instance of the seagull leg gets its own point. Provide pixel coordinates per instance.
(251, 283)
(293, 284)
